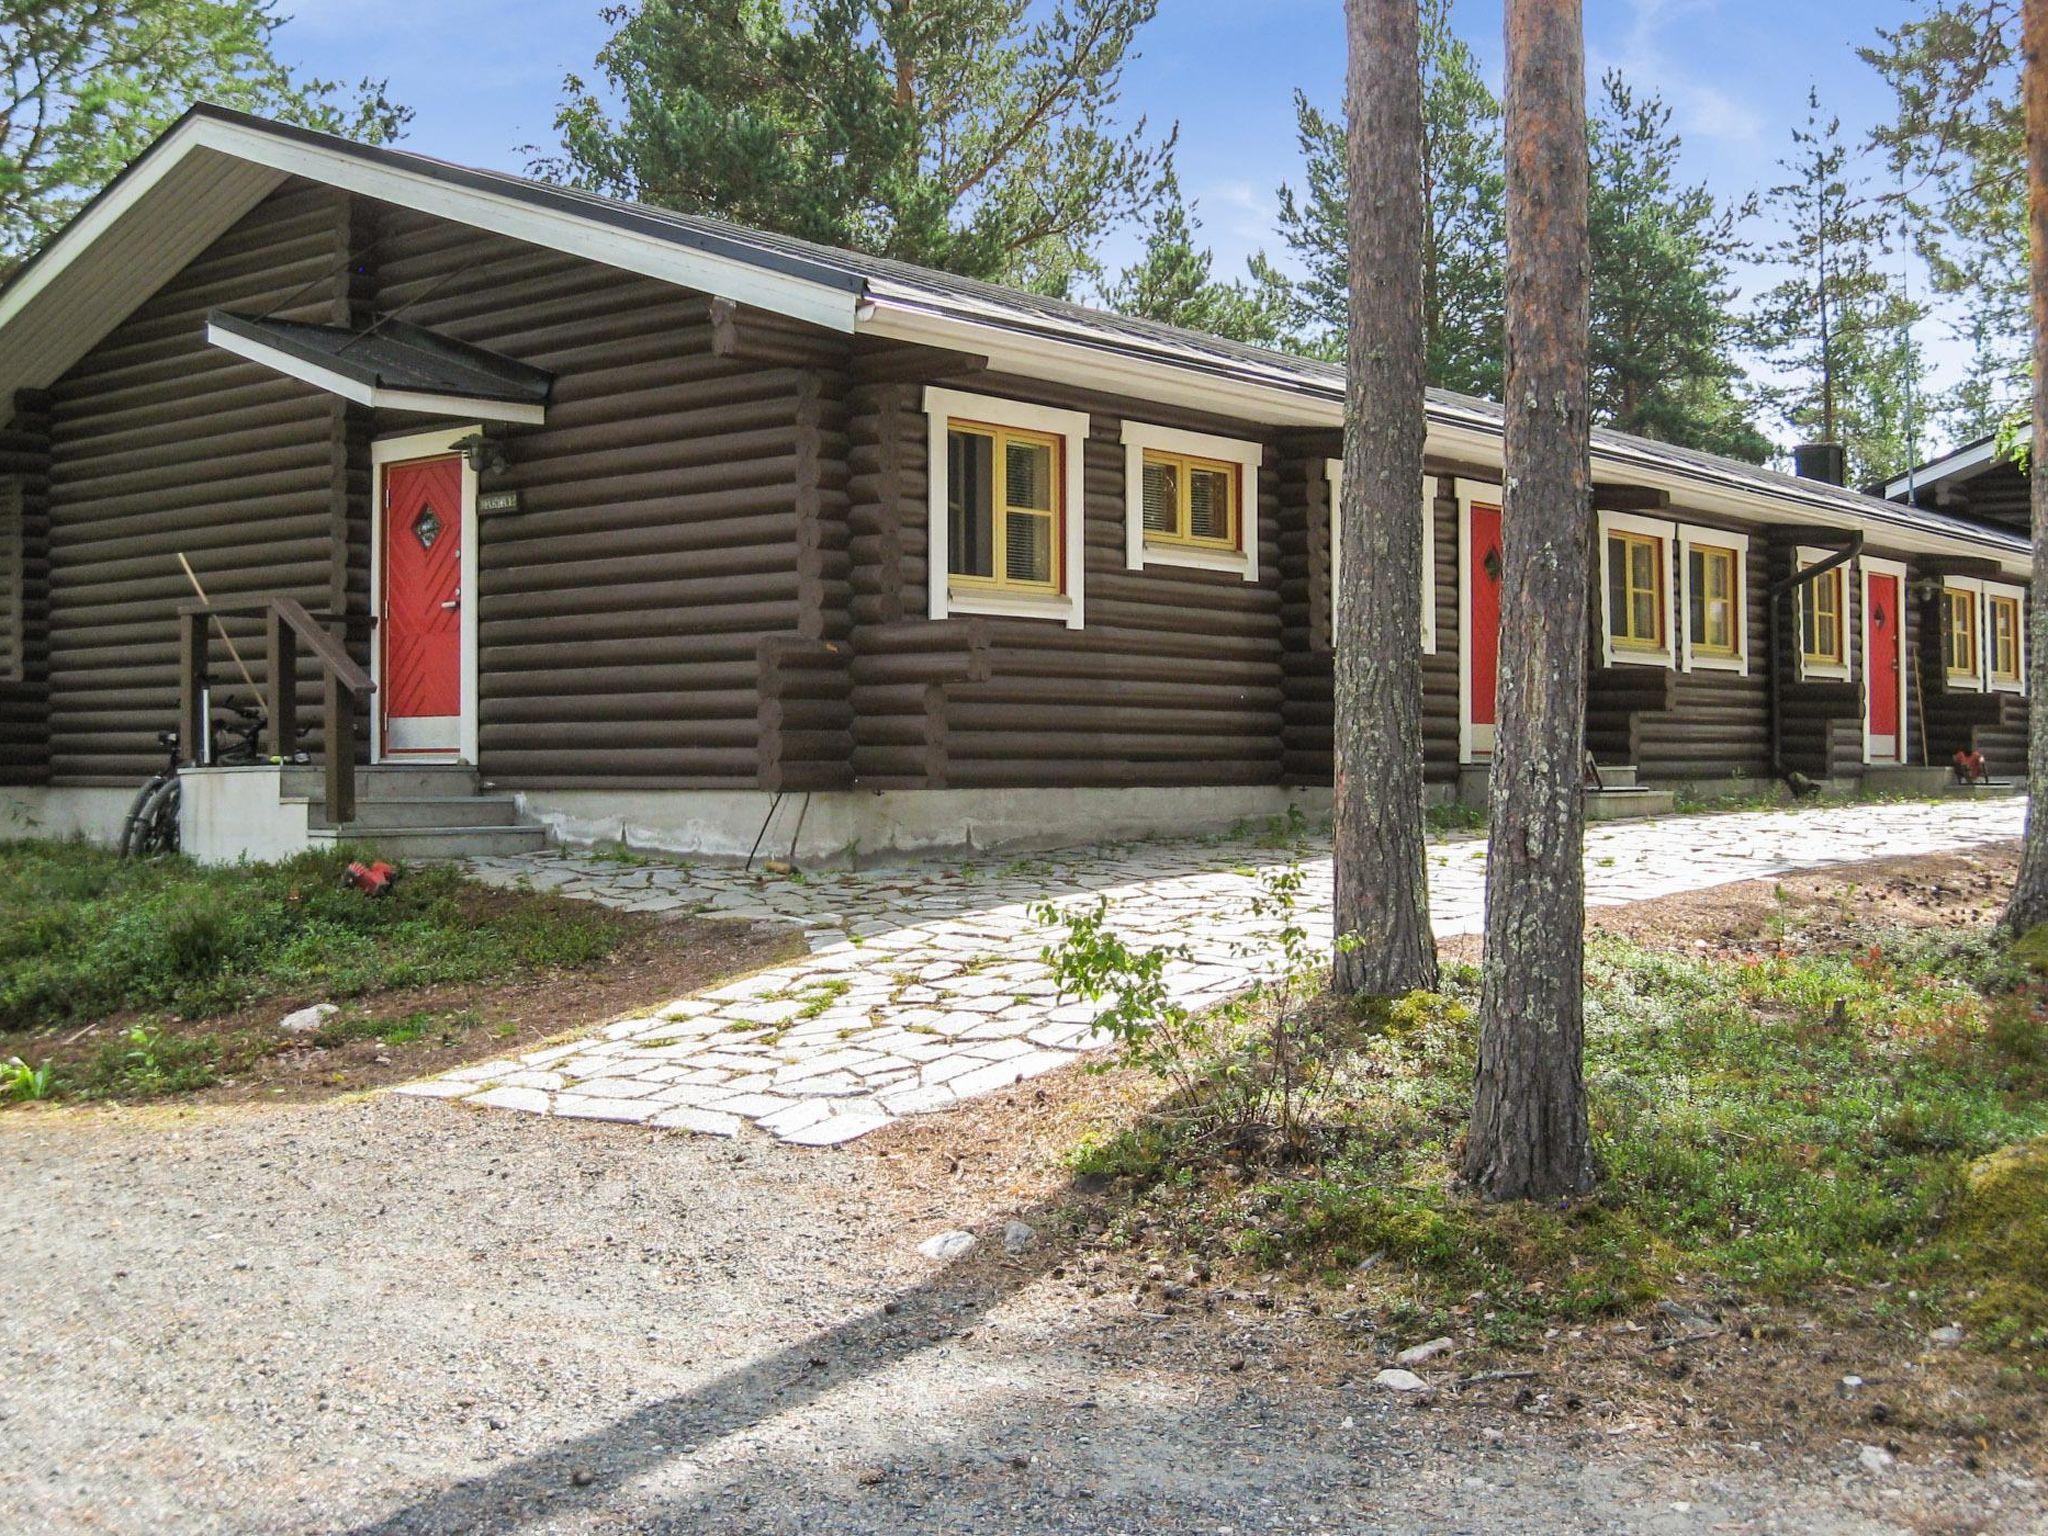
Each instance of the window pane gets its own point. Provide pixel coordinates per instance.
(1029, 557)
(1644, 623)
(1162, 498)
(970, 504)
(1208, 504)
(1643, 568)
(1617, 585)
(1028, 476)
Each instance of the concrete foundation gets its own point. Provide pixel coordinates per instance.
(227, 815)
(38, 811)
(846, 828)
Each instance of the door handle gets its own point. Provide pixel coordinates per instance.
(453, 602)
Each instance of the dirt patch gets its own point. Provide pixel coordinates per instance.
(1810, 909)
(395, 1036)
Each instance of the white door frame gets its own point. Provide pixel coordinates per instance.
(385, 452)
(1874, 564)
(1468, 492)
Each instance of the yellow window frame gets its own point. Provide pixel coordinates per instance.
(1000, 510)
(1185, 466)
(1729, 561)
(1962, 655)
(1621, 628)
(2005, 639)
(1827, 620)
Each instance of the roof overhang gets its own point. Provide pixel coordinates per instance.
(391, 366)
(1965, 463)
(212, 168)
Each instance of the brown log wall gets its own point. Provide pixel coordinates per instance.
(25, 702)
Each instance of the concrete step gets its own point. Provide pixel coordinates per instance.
(1621, 804)
(386, 782)
(1617, 775)
(407, 843)
(436, 811)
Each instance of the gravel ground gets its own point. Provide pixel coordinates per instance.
(393, 1315)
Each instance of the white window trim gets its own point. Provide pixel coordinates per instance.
(1827, 671)
(944, 406)
(1874, 565)
(1712, 538)
(1138, 436)
(1992, 680)
(1333, 472)
(1667, 534)
(1979, 680)
(1472, 747)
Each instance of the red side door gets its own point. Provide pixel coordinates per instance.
(1881, 666)
(421, 613)
(1482, 645)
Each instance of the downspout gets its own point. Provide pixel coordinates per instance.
(1848, 544)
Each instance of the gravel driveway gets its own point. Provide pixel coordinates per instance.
(396, 1315)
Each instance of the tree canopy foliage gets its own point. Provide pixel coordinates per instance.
(976, 136)
(90, 82)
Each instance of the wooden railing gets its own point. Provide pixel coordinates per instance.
(287, 627)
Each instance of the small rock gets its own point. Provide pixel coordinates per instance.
(1400, 1381)
(306, 1020)
(1422, 1354)
(947, 1245)
(1948, 1337)
(1017, 1236)
(1875, 1458)
(582, 1477)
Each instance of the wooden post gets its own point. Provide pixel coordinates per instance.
(282, 658)
(338, 732)
(192, 682)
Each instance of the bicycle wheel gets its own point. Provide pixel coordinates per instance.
(151, 829)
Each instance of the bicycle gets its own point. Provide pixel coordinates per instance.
(151, 828)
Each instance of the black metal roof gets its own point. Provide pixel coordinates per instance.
(394, 354)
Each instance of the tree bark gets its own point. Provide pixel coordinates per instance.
(2029, 905)
(1385, 947)
(1529, 1136)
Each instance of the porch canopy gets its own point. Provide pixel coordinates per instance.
(391, 365)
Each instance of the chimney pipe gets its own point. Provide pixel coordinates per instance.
(1828, 462)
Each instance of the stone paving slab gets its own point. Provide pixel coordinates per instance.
(925, 986)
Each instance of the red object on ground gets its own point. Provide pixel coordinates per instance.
(371, 879)
(1970, 767)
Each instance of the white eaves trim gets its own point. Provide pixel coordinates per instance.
(554, 229)
(1934, 471)
(1666, 535)
(1712, 538)
(1139, 436)
(943, 406)
(337, 383)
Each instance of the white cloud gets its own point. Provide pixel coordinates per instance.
(1699, 106)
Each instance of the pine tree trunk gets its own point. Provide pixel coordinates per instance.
(1386, 948)
(1529, 1137)
(2029, 906)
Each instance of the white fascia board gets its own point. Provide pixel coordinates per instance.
(628, 250)
(1934, 471)
(336, 383)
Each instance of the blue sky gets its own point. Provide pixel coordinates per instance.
(484, 77)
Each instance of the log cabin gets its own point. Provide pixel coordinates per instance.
(528, 513)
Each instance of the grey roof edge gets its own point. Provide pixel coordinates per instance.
(943, 295)
(492, 376)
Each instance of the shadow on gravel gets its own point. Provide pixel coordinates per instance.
(658, 1432)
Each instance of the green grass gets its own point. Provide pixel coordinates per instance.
(84, 935)
(1801, 1129)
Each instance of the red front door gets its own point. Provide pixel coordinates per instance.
(1881, 667)
(421, 613)
(1482, 645)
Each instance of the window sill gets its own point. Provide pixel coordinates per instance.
(1699, 663)
(1623, 656)
(1823, 671)
(2001, 685)
(1194, 558)
(1962, 684)
(1001, 605)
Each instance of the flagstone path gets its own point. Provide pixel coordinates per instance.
(925, 985)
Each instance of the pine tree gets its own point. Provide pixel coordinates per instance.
(975, 136)
(1663, 332)
(1831, 327)
(1463, 241)
(1174, 281)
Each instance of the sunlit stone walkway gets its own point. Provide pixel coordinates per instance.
(924, 986)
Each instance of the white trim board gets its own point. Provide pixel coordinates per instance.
(1333, 473)
(1470, 749)
(1665, 533)
(386, 451)
(1690, 534)
(1991, 679)
(1877, 565)
(334, 382)
(943, 406)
